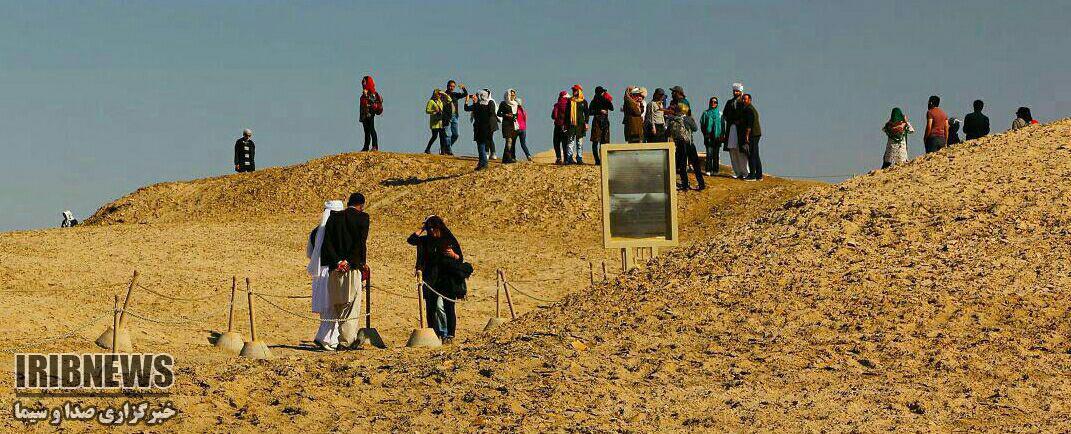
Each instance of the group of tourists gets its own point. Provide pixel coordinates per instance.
(941, 129)
(663, 118)
(337, 250)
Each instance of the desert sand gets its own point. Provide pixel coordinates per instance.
(926, 297)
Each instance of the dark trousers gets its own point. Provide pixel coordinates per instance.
(444, 144)
(246, 168)
(371, 139)
(658, 136)
(754, 162)
(934, 143)
(522, 137)
(713, 154)
(559, 141)
(509, 151)
(687, 155)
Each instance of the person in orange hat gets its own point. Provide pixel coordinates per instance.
(576, 123)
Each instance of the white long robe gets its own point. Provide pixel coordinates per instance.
(328, 331)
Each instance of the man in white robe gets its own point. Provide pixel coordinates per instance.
(327, 334)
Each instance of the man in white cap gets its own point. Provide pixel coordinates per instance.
(327, 335)
(244, 150)
(730, 117)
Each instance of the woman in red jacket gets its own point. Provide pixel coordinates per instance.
(371, 105)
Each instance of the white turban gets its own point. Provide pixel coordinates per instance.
(313, 250)
(738, 86)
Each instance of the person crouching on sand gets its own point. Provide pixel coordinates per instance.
(443, 268)
(327, 334)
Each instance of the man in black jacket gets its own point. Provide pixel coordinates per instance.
(344, 251)
(244, 150)
(976, 125)
(750, 134)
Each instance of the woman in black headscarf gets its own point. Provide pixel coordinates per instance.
(442, 264)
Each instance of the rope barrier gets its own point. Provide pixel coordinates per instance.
(388, 292)
(276, 295)
(171, 321)
(76, 330)
(171, 297)
(522, 292)
(440, 294)
(303, 316)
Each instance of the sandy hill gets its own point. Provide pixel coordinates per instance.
(536, 222)
(928, 297)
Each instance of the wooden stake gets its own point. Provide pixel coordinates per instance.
(115, 325)
(368, 303)
(230, 315)
(420, 298)
(509, 300)
(605, 276)
(498, 289)
(126, 302)
(252, 317)
(591, 272)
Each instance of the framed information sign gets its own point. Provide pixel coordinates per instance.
(639, 196)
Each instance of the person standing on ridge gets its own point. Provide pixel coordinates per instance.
(455, 97)
(633, 116)
(750, 135)
(244, 152)
(507, 111)
(557, 114)
(599, 112)
(435, 108)
(371, 105)
(896, 130)
(522, 128)
(730, 118)
(483, 117)
(680, 127)
(710, 124)
(654, 122)
(936, 135)
(345, 252)
(576, 122)
(976, 125)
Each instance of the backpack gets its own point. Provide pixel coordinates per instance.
(377, 104)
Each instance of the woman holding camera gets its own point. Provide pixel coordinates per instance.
(442, 264)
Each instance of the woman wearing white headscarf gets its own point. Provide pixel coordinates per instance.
(507, 111)
(484, 123)
(327, 334)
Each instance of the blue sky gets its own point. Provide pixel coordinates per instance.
(100, 98)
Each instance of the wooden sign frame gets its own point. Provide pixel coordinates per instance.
(670, 189)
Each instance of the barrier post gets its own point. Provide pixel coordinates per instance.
(422, 336)
(591, 273)
(106, 340)
(254, 349)
(369, 335)
(509, 300)
(496, 320)
(605, 275)
(231, 341)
